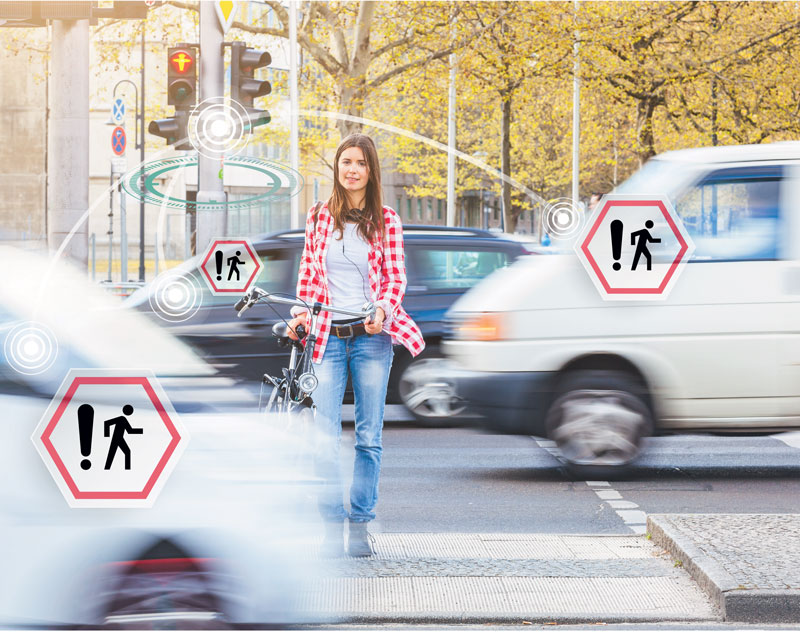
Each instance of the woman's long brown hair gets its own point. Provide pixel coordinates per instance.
(370, 221)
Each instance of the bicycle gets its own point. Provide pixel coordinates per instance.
(291, 393)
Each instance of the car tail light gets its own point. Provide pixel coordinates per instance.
(484, 326)
(166, 565)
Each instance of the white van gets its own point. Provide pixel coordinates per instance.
(538, 351)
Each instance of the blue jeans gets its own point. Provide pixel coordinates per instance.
(368, 360)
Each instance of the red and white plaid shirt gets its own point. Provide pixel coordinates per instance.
(387, 280)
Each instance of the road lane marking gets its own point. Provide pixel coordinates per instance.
(549, 447)
(792, 439)
(633, 517)
(622, 504)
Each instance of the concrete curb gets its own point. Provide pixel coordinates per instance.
(503, 618)
(735, 603)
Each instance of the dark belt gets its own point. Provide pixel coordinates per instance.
(349, 330)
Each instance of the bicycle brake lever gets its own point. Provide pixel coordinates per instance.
(249, 299)
(371, 310)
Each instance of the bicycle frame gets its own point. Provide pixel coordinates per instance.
(297, 384)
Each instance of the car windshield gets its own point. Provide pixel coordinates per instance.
(656, 177)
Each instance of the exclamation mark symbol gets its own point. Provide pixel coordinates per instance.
(85, 422)
(218, 258)
(616, 242)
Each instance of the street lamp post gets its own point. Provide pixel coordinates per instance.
(483, 218)
(484, 208)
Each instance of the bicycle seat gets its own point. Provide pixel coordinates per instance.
(280, 330)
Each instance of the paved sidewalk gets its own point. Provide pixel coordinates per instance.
(509, 578)
(748, 563)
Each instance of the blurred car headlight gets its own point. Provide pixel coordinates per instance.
(484, 326)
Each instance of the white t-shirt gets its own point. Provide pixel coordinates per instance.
(348, 270)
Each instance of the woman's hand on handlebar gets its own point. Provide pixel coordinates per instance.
(375, 326)
(297, 320)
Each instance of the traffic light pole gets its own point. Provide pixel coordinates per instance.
(140, 113)
(294, 104)
(68, 145)
(211, 220)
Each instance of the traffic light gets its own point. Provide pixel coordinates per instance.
(173, 129)
(182, 93)
(182, 77)
(244, 86)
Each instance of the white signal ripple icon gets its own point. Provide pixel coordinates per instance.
(175, 298)
(217, 127)
(30, 348)
(561, 218)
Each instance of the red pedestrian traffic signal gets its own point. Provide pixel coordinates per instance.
(181, 61)
(182, 93)
(182, 79)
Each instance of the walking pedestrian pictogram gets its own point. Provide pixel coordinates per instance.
(231, 266)
(121, 426)
(640, 239)
(634, 248)
(110, 438)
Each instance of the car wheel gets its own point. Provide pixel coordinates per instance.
(598, 420)
(426, 391)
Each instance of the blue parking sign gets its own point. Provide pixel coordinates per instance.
(118, 111)
(118, 141)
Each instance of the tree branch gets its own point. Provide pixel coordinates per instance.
(759, 40)
(337, 33)
(433, 56)
(360, 58)
(392, 45)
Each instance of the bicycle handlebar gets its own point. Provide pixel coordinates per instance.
(256, 294)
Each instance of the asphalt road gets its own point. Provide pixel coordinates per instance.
(460, 480)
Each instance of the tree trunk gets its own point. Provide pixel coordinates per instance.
(510, 218)
(353, 83)
(351, 102)
(644, 127)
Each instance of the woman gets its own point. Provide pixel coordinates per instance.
(353, 255)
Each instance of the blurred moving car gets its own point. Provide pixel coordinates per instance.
(441, 263)
(228, 539)
(539, 352)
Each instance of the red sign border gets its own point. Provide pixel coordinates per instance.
(253, 255)
(673, 266)
(144, 382)
(125, 136)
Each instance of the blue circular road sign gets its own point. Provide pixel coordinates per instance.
(118, 141)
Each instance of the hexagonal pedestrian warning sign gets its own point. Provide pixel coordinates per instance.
(110, 438)
(634, 247)
(230, 266)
